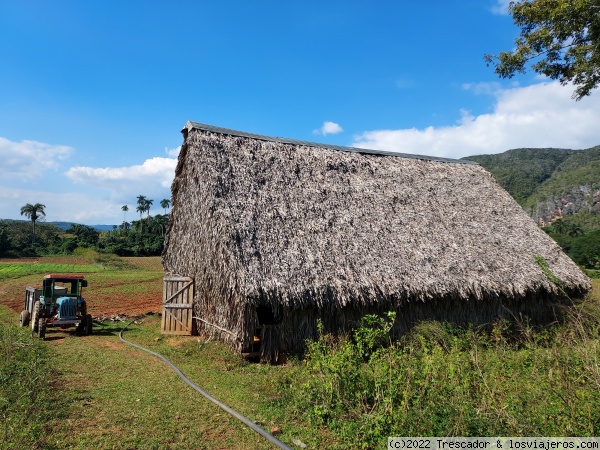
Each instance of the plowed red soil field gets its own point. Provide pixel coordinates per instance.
(110, 292)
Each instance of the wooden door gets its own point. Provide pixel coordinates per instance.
(178, 308)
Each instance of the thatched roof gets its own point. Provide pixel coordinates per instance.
(303, 224)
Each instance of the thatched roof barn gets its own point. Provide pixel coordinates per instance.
(279, 233)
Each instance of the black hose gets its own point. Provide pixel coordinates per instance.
(221, 405)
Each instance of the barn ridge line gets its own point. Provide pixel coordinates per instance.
(190, 125)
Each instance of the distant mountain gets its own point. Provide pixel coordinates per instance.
(550, 183)
(66, 225)
(103, 227)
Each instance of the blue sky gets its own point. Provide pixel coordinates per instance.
(93, 94)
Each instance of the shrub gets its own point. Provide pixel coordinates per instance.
(507, 379)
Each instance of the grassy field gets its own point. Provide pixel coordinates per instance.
(97, 392)
(20, 270)
(104, 394)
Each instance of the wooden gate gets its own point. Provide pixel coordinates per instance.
(178, 308)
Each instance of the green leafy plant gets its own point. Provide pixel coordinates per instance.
(373, 332)
(543, 264)
(507, 379)
(558, 39)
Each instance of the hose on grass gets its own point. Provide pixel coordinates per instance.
(221, 405)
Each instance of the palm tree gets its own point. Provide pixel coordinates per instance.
(147, 205)
(165, 203)
(33, 212)
(124, 208)
(141, 208)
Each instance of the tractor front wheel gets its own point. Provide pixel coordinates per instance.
(88, 324)
(24, 320)
(42, 328)
(35, 315)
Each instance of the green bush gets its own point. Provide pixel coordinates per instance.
(511, 380)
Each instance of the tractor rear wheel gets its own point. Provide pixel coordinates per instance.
(35, 315)
(88, 324)
(24, 320)
(42, 328)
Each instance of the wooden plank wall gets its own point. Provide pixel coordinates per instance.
(178, 308)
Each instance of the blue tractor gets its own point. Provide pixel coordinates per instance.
(59, 303)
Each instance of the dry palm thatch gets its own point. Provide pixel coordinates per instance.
(330, 233)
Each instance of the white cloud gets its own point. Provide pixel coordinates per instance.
(65, 206)
(329, 128)
(501, 7)
(155, 174)
(87, 195)
(173, 152)
(29, 159)
(541, 115)
(96, 194)
(492, 88)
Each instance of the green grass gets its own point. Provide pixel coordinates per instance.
(19, 270)
(252, 389)
(25, 392)
(126, 283)
(103, 394)
(119, 397)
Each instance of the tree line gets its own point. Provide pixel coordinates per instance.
(581, 243)
(143, 237)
